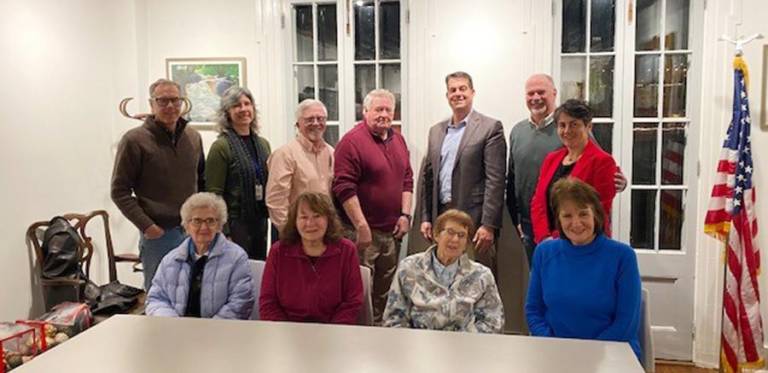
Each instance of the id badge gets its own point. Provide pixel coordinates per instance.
(258, 192)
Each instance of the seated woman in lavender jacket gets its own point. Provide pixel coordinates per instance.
(312, 274)
(207, 275)
(583, 284)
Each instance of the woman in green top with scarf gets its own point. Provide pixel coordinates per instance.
(236, 169)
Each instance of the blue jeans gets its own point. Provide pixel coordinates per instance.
(527, 238)
(152, 252)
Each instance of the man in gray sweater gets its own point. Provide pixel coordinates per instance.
(157, 166)
(529, 143)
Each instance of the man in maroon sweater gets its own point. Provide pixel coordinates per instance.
(373, 182)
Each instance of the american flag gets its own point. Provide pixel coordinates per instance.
(731, 219)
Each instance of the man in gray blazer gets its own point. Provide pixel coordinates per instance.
(465, 168)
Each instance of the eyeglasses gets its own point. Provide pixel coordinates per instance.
(316, 119)
(164, 101)
(209, 222)
(451, 233)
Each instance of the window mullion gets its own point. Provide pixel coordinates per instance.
(587, 50)
(376, 46)
(315, 69)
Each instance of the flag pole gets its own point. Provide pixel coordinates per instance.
(737, 64)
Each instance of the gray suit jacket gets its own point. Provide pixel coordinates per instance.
(477, 185)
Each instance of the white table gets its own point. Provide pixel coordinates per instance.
(149, 344)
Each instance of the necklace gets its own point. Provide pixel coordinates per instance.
(569, 159)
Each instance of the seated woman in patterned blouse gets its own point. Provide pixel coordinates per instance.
(442, 288)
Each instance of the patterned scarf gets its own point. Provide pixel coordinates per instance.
(247, 171)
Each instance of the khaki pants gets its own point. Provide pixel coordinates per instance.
(381, 258)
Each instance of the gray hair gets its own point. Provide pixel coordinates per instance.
(204, 200)
(306, 104)
(160, 82)
(547, 77)
(229, 100)
(459, 75)
(380, 93)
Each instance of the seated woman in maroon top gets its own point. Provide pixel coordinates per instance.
(312, 274)
(579, 158)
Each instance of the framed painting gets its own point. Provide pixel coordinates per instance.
(203, 81)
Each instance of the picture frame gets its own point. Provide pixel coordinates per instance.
(203, 81)
(764, 100)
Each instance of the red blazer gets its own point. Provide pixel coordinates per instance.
(330, 291)
(595, 167)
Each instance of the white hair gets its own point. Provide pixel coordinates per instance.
(377, 93)
(204, 200)
(308, 103)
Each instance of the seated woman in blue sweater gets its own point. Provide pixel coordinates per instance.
(584, 284)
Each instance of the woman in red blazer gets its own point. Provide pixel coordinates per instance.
(580, 158)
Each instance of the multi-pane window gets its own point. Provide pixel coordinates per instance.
(659, 55)
(377, 51)
(660, 124)
(340, 72)
(588, 57)
(316, 60)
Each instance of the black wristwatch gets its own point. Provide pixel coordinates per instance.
(407, 216)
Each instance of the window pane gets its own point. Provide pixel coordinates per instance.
(328, 78)
(305, 82)
(648, 24)
(304, 33)
(574, 25)
(676, 24)
(646, 85)
(602, 25)
(389, 30)
(671, 219)
(331, 134)
(364, 31)
(675, 84)
(644, 153)
(672, 153)
(601, 85)
(390, 79)
(365, 81)
(326, 33)
(573, 82)
(643, 219)
(603, 133)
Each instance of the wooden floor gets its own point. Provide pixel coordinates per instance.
(680, 368)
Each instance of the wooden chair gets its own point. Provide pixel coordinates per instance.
(80, 224)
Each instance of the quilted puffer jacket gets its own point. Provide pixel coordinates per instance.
(227, 288)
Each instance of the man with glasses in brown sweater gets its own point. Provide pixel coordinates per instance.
(157, 167)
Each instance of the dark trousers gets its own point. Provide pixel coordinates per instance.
(486, 258)
(527, 239)
(251, 236)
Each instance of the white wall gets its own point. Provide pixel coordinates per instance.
(731, 17)
(64, 66)
(199, 28)
(500, 44)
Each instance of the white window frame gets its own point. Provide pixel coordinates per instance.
(346, 62)
(623, 116)
(617, 144)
